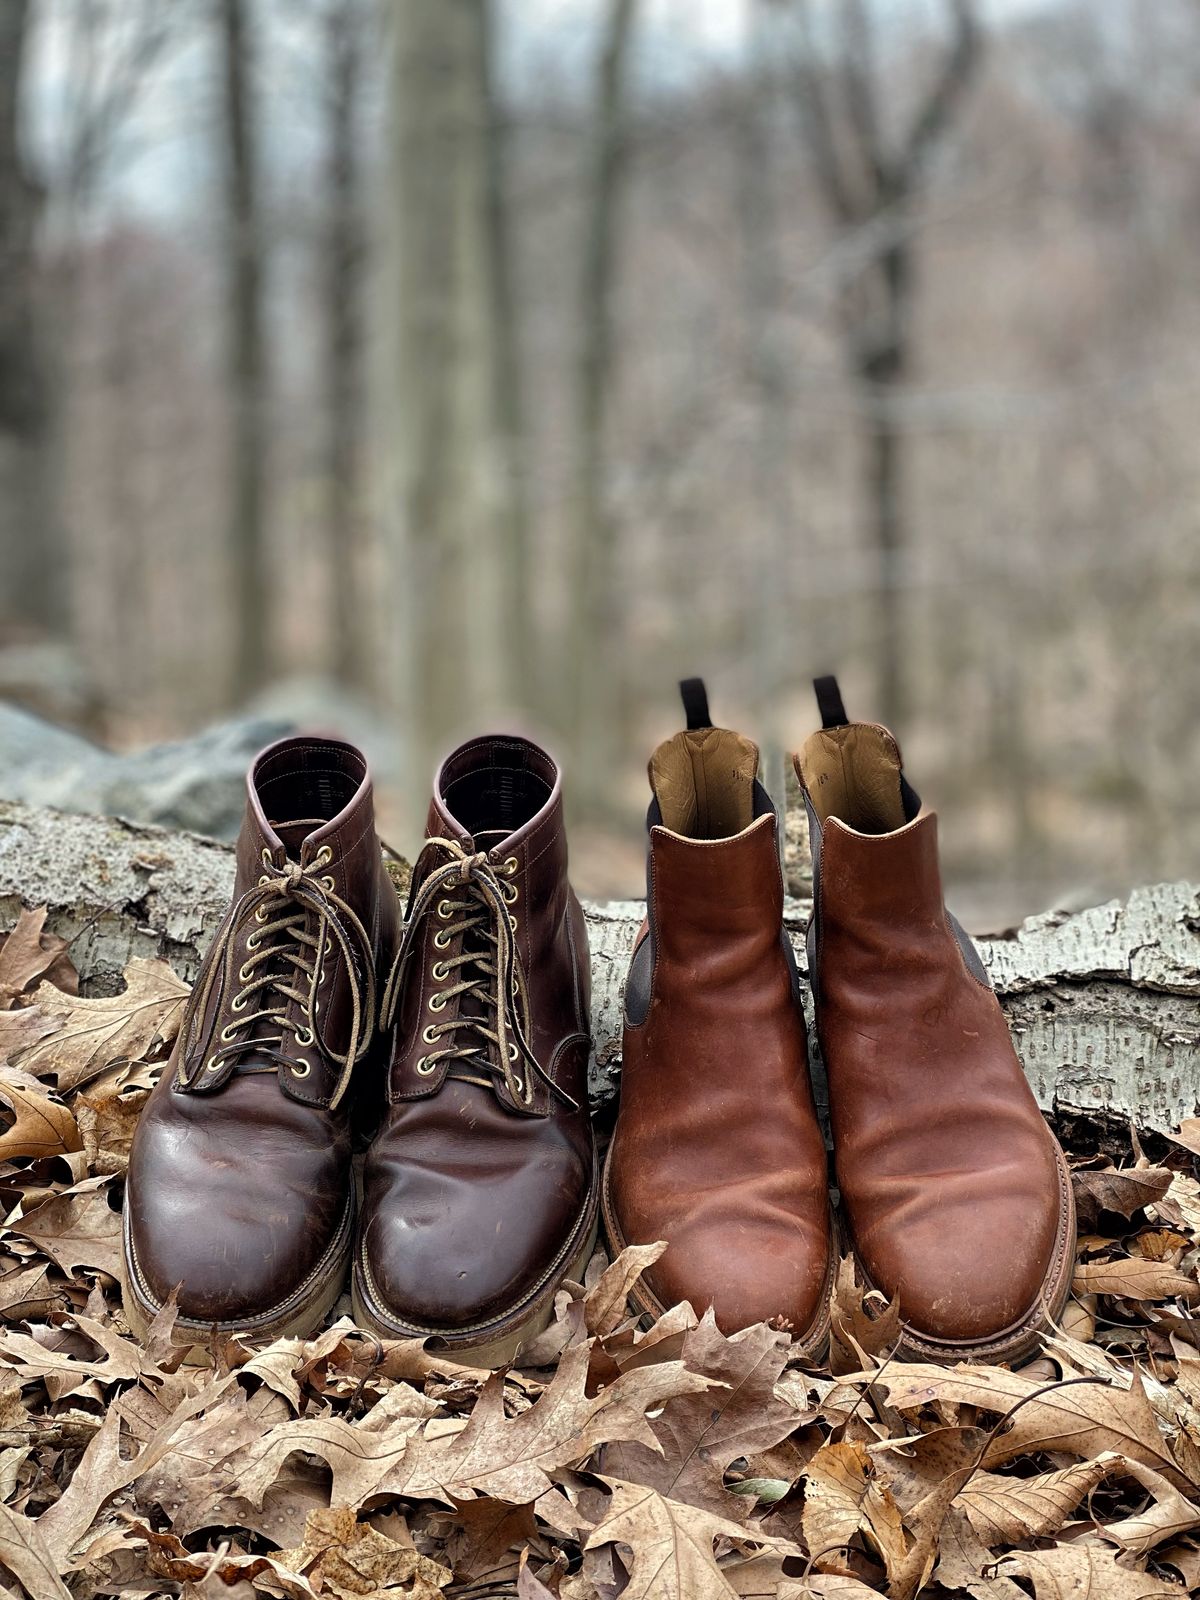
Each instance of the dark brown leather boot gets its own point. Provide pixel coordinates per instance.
(717, 1148)
(239, 1191)
(479, 1190)
(955, 1191)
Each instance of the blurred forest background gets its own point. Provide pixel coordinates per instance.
(455, 361)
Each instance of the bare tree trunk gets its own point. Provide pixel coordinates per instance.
(456, 491)
(33, 578)
(246, 359)
(771, 641)
(594, 652)
(869, 184)
(345, 25)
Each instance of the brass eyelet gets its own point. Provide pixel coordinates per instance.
(238, 1003)
(441, 939)
(324, 856)
(510, 866)
(513, 1052)
(327, 882)
(301, 1069)
(212, 1065)
(431, 1034)
(445, 910)
(263, 879)
(228, 1031)
(304, 1037)
(328, 950)
(437, 1002)
(252, 942)
(267, 859)
(439, 972)
(425, 1066)
(260, 912)
(519, 1082)
(245, 973)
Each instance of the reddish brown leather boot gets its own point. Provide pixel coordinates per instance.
(480, 1193)
(955, 1192)
(239, 1191)
(717, 1149)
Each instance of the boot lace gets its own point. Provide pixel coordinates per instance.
(297, 920)
(472, 897)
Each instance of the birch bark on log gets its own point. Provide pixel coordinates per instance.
(1104, 1004)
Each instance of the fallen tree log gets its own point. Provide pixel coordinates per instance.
(1104, 1004)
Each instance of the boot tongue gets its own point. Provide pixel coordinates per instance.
(292, 835)
(703, 780)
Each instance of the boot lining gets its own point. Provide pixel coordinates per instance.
(703, 779)
(853, 773)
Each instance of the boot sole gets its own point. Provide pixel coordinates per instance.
(813, 1342)
(296, 1317)
(1023, 1339)
(498, 1341)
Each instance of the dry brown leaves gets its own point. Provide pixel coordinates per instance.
(660, 1463)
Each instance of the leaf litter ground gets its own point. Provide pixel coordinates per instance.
(662, 1462)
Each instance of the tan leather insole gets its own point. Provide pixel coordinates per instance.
(853, 773)
(704, 781)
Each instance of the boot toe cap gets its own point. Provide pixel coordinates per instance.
(746, 1276)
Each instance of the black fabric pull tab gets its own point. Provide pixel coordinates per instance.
(695, 702)
(829, 702)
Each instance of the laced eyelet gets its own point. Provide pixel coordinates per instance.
(260, 912)
(238, 1003)
(301, 1069)
(513, 1052)
(431, 1034)
(245, 974)
(252, 942)
(304, 1037)
(441, 939)
(324, 856)
(519, 1082)
(437, 1002)
(228, 1031)
(267, 859)
(439, 972)
(328, 949)
(327, 882)
(445, 910)
(511, 899)
(212, 1065)
(510, 866)
(263, 879)
(425, 1066)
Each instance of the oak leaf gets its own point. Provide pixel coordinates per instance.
(606, 1305)
(1085, 1572)
(1134, 1278)
(671, 1544)
(843, 1497)
(77, 1228)
(28, 953)
(23, 1551)
(1122, 1190)
(39, 1127)
(1080, 1419)
(698, 1435)
(94, 1033)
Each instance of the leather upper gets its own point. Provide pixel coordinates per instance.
(717, 1148)
(948, 1174)
(239, 1177)
(472, 1192)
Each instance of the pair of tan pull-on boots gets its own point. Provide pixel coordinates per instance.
(450, 1038)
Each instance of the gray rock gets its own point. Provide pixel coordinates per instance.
(197, 783)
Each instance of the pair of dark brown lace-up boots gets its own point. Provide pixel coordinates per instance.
(454, 1042)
